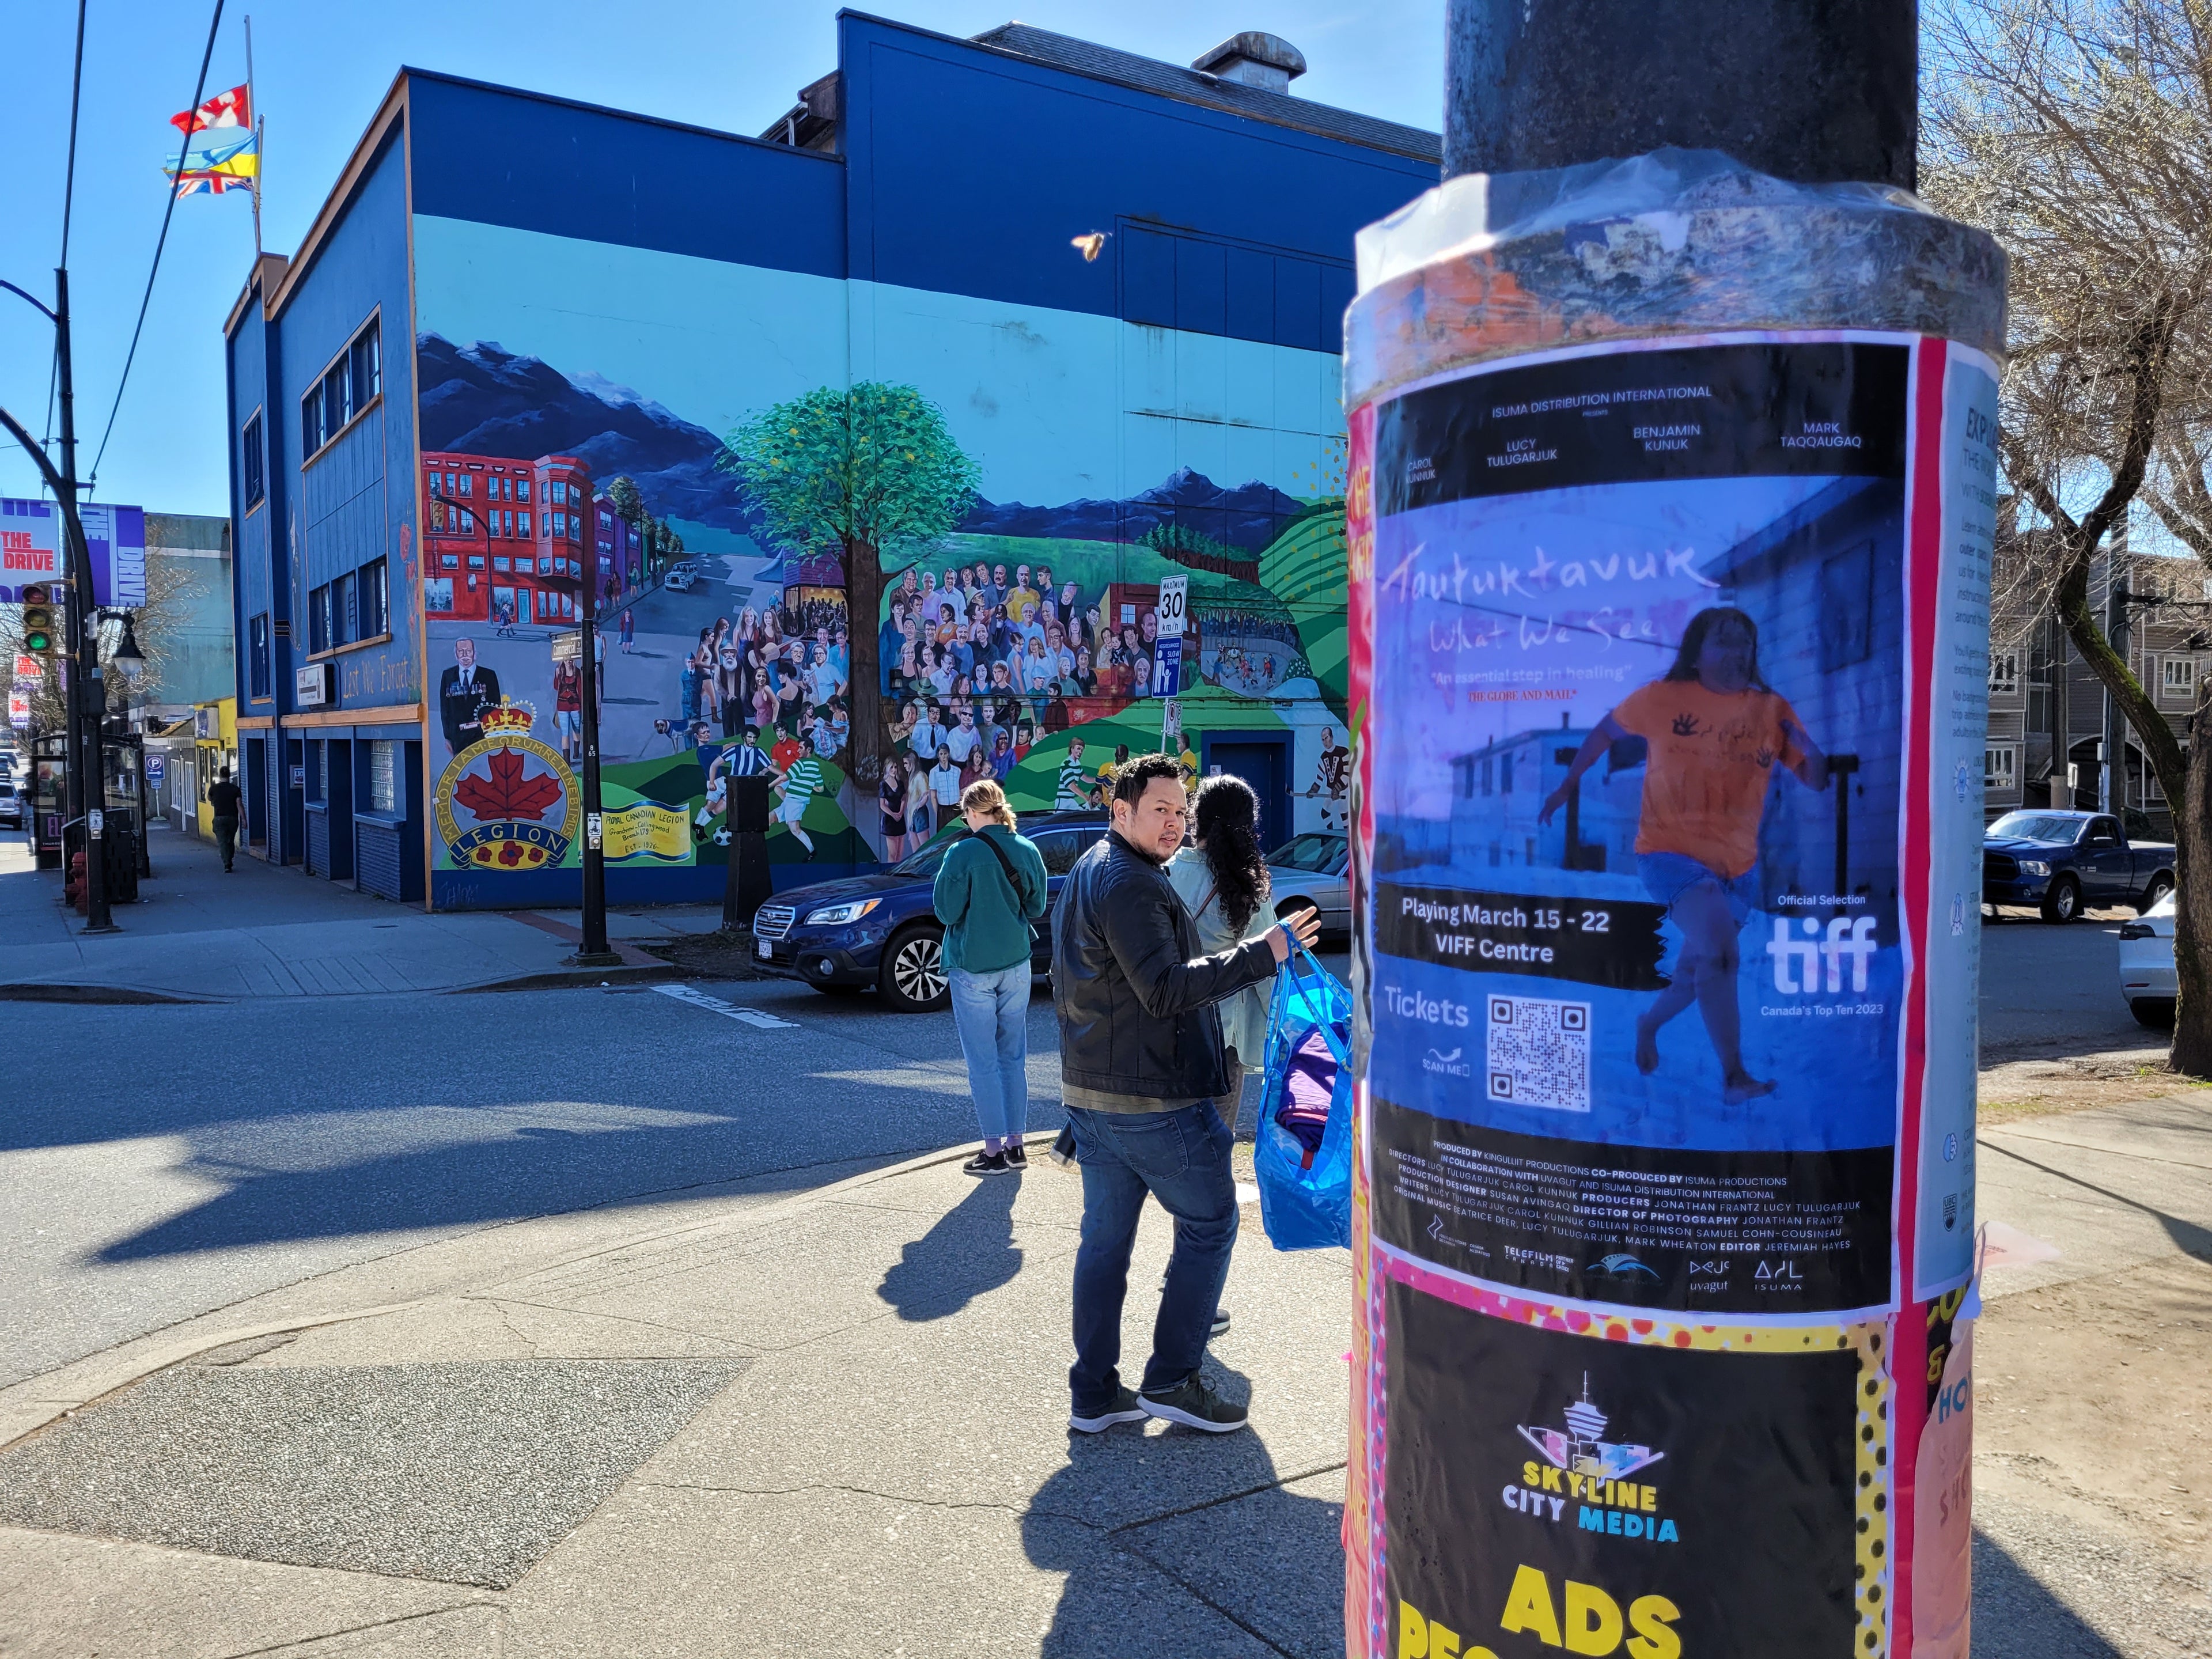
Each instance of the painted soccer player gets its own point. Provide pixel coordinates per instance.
(1714, 731)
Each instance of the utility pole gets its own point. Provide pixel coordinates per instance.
(1808, 92)
(1582, 321)
(87, 698)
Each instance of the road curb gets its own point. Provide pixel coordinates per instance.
(569, 978)
(108, 995)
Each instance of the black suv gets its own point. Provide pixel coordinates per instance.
(881, 930)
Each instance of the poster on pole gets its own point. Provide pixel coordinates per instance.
(1641, 671)
(32, 537)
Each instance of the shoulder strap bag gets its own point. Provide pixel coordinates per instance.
(1012, 881)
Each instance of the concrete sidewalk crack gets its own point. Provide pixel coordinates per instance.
(1018, 1510)
(1230, 1498)
(355, 1630)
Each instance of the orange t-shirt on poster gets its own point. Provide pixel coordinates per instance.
(1705, 782)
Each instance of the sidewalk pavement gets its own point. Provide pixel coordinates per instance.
(199, 934)
(836, 1424)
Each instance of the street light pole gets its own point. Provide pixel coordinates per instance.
(594, 952)
(86, 790)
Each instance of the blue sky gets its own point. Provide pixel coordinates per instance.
(319, 71)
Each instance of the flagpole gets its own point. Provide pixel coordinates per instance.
(253, 98)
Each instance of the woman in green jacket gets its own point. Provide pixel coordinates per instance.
(989, 889)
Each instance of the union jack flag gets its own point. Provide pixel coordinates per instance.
(210, 184)
(234, 108)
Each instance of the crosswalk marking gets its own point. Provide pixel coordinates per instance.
(727, 1010)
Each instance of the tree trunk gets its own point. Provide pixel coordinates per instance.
(864, 589)
(2192, 911)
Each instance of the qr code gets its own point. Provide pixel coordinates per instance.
(1539, 1053)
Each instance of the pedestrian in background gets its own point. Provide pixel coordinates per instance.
(1222, 880)
(1141, 1063)
(223, 801)
(989, 889)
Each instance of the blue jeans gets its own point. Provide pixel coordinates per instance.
(991, 1012)
(1182, 1158)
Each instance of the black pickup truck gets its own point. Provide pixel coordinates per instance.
(2066, 862)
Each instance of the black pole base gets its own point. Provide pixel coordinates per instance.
(594, 959)
(100, 928)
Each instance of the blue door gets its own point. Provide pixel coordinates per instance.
(1262, 760)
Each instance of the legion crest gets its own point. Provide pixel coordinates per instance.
(508, 798)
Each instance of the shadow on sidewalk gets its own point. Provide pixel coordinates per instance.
(1267, 1560)
(2016, 1618)
(970, 1250)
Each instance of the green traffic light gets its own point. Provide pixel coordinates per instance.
(37, 641)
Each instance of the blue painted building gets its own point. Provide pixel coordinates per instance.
(533, 357)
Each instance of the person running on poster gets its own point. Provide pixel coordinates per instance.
(1714, 731)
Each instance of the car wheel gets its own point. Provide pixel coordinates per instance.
(2158, 888)
(2156, 1013)
(913, 979)
(2063, 902)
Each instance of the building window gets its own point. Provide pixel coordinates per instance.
(522, 519)
(249, 455)
(257, 670)
(560, 496)
(499, 564)
(372, 599)
(2000, 767)
(449, 561)
(319, 620)
(437, 593)
(522, 493)
(2177, 680)
(2004, 673)
(384, 775)
(353, 379)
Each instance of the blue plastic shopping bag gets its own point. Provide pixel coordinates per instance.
(1302, 1156)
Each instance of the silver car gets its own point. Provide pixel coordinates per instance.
(1314, 869)
(2147, 965)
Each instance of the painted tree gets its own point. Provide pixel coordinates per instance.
(2076, 132)
(861, 471)
(623, 497)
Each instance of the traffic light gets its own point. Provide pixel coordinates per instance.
(41, 637)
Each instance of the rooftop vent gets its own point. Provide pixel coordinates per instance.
(1254, 58)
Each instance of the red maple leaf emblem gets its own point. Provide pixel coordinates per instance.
(506, 793)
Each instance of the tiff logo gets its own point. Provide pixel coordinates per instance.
(1802, 964)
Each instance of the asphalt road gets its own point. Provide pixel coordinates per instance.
(2055, 990)
(191, 1155)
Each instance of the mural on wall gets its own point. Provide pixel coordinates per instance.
(829, 581)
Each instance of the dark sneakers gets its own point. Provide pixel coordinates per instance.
(1016, 1157)
(987, 1164)
(1124, 1409)
(1196, 1407)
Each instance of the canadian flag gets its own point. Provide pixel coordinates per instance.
(226, 109)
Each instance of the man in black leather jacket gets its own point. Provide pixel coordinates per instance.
(1141, 1064)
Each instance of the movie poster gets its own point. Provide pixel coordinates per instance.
(1546, 1491)
(1639, 689)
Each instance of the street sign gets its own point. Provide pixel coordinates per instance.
(1175, 606)
(568, 646)
(1167, 667)
(156, 769)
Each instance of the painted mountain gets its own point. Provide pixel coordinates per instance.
(484, 400)
(1248, 516)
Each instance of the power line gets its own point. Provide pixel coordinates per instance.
(68, 205)
(200, 88)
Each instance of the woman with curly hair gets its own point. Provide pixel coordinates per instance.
(1222, 879)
